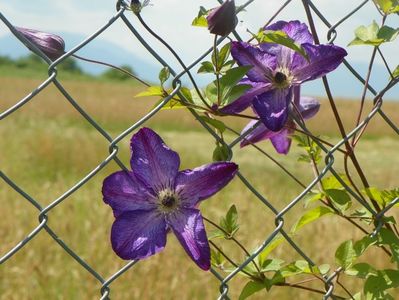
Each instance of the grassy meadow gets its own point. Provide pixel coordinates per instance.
(47, 146)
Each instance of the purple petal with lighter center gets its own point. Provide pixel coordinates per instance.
(152, 161)
(202, 182)
(272, 107)
(296, 30)
(322, 60)
(245, 100)
(123, 192)
(282, 140)
(138, 234)
(262, 62)
(308, 107)
(260, 133)
(189, 229)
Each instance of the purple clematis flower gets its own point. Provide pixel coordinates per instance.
(277, 70)
(156, 197)
(50, 44)
(281, 140)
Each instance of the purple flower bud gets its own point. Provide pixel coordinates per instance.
(50, 44)
(222, 20)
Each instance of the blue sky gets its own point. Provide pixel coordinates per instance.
(172, 18)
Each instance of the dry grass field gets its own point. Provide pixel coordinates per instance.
(46, 147)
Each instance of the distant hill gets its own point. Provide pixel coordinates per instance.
(343, 84)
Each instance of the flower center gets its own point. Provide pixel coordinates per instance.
(282, 78)
(168, 200)
(279, 78)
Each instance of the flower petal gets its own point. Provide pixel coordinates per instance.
(296, 30)
(248, 55)
(245, 100)
(282, 140)
(202, 182)
(322, 60)
(308, 107)
(272, 107)
(123, 192)
(138, 234)
(189, 229)
(260, 133)
(152, 161)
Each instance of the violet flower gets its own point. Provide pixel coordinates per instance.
(222, 20)
(156, 197)
(50, 44)
(278, 69)
(281, 140)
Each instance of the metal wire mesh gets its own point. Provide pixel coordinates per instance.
(43, 211)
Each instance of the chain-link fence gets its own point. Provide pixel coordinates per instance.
(105, 284)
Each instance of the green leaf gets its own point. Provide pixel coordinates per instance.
(362, 245)
(172, 104)
(361, 270)
(373, 35)
(235, 92)
(311, 197)
(388, 6)
(223, 55)
(217, 259)
(281, 38)
(345, 254)
(206, 67)
(387, 237)
(152, 91)
(211, 92)
(340, 199)
(219, 125)
(271, 265)
(164, 75)
(231, 78)
(269, 248)
(186, 94)
(230, 222)
(311, 216)
(201, 20)
(251, 288)
(376, 285)
(221, 152)
(395, 73)
(332, 182)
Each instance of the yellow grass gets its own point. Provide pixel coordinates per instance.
(46, 147)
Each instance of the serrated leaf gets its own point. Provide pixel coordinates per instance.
(281, 38)
(388, 6)
(206, 67)
(251, 288)
(219, 125)
(152, 91)
(311, 216)
(361, 270)
(345, 254)
(340, 199)
(164, 75)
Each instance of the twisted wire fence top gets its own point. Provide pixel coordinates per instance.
(113, 143)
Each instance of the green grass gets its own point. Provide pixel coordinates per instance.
(46, 147)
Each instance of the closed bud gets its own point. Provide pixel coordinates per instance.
(50, 44)
(222, 20)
